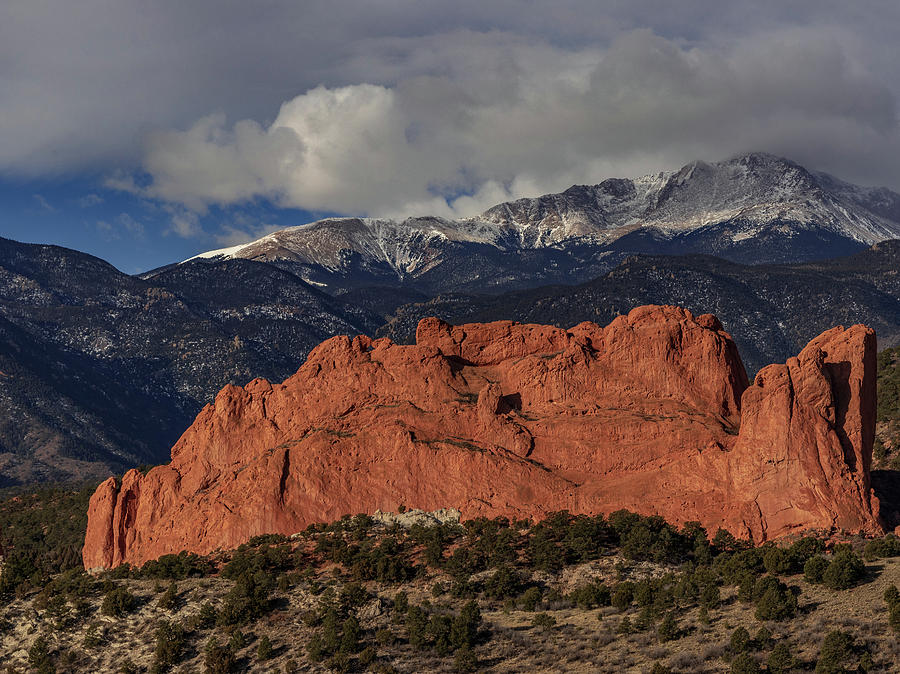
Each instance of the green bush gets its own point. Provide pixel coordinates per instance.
(247, 600)
(887, 546)
(587, 596)
(350, 633)
(504, 583)
(777, 561)
(845, 570)
(265, 650)
(744, 664)
(464, 631)
(544, 620)
(531, 598)
(218, 659)
(894, 617)
(177, 567)
(763, 638)
(774, 600)
(891, 595)
(118, 602)
(780, 659)
(440, 628)
(168, 599)
(622, 595)
(836, 653)
(465, 660)
(39, 656)
(740, 641)
(170, 645)
(401, 603)
(668, 629)
(416, 626)
(814, 569)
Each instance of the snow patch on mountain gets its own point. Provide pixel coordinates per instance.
(747, 194)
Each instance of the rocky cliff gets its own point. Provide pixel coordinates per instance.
(653, 413)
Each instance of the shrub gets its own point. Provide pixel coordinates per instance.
(763, 638)
(814, 569)
(39, 656)
(177, 567)
(118, 602)
(802, 550)
(744, 664)
(544, 620)
(837, 651)
(439, 628)
(844, 571)
(530, 598)
(170, 644)
(888, 546)
(207, 616)
(367, 657)
(894, 617)
(622, 595)
(401, 603)
(350, 636)
(315, 648)
(780, 660)
(777, 561)
(169, 598)
(265, 651)
(777, 602)
(385, 637)
(740, 641)
(588, 596)
(710, 597)
(93, 638)
(503, 584)
(218, 659)
(247, 600)
(464, 631)
(703, 616)
(416, 626)
(668, 629)
(465, 660)
(891, 595)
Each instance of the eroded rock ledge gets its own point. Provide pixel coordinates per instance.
(653, 413)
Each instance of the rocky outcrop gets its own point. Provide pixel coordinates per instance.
(653, 413)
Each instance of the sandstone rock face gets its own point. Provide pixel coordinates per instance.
(653, 413)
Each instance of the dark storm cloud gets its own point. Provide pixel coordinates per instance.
(397, 106)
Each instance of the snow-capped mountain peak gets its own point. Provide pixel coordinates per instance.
(754, 207)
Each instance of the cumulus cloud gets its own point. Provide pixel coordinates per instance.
(533, 120)
(418, 106)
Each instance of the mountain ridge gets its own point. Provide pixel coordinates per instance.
(752, 208)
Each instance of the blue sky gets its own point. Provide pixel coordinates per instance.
(130, 232)
(148, 132)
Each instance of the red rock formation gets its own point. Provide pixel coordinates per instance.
(517, 420)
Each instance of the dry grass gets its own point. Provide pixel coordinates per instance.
(581, 640)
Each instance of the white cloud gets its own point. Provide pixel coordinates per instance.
(185, 224)
(235, 234)
(122, 224)
(89, 200)
(532, 120)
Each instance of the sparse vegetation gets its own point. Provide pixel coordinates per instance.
(352, 597)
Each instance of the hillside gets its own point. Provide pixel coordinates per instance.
(770, 310)
(409, 593)
(101, 371)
